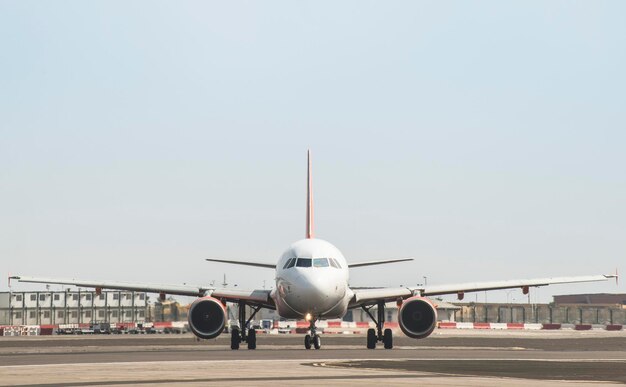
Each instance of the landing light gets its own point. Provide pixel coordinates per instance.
(307, 317)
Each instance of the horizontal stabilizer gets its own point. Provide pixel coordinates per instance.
(245, 263)
(382, 262)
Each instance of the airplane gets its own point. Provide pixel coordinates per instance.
(312, 283)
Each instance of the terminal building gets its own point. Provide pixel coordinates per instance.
(72, 307)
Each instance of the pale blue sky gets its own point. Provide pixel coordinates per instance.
(485, 139)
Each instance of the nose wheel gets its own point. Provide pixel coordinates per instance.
(313, 340)
(376, 335)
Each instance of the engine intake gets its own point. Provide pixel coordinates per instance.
(417, 317)
(207, 317)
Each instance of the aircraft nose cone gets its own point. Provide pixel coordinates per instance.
(312, 294)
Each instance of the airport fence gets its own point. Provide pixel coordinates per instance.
(541, 314)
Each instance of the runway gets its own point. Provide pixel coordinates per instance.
(446, 358)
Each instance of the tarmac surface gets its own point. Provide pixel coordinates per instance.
(448, 357)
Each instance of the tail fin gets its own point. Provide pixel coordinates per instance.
(309, 198)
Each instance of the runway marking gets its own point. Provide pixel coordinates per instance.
(239, 379)
(310, 362)
(537, 369)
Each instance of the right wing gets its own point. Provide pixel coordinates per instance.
(373, 295)
(181, 290)
(436, 290)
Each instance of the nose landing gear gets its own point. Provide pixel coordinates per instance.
(375, 335)
(313, 340)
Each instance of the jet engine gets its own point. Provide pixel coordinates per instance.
(207, 317)
(417, 317)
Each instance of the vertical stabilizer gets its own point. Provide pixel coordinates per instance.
(309, 198)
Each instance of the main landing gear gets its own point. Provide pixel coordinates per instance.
(243, 334)
(313, 340)
(376, 335)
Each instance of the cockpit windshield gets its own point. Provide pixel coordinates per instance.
(290, 263)
(304, 262)
(312, 262)
(320, 262)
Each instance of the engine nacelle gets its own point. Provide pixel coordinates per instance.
(207, 317)
(417, 317)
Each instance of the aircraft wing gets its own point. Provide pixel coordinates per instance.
(258, 297)
(368, 296)
(182, 290)
(435, 290)
(374, 295)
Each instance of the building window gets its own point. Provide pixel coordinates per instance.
(18, 315)
(32, 314)
(87, 314)
(60, 314)
(101, 314)
(389, 315)
(75, 297)
(57, 297)
(114, 313)
(128, 314)
(42, 297)
(116, 296)
(18, 297)
(88, 297)
(102, 296)
(46, 314)
(74, 314)
(33, 297)
(142, 296)
(142, 314)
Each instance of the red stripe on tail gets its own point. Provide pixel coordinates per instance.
(309, 198)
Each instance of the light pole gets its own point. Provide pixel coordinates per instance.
(425, 281)
(508, 294)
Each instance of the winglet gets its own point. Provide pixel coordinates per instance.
(616, 276)
(309, 198)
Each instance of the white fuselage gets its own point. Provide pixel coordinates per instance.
(312, 279)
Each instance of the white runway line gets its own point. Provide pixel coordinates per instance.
(311, 361)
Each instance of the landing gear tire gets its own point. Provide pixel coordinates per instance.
(252, 339)
(371, 338)
(307, 341)
(388, 339)
(317, 342)
(235, 339)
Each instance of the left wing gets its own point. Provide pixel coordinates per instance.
(182, 290)
(373, 295)
(258, 297)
